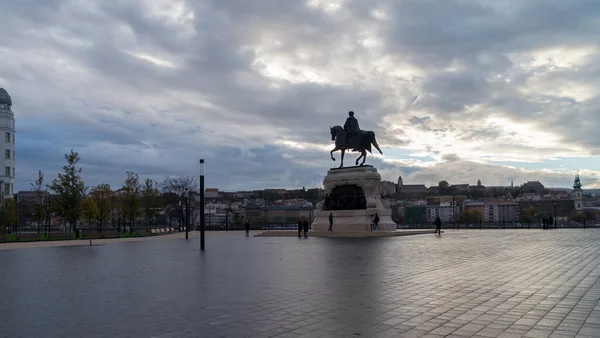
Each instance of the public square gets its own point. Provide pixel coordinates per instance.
(491, 283)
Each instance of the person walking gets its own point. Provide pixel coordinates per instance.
(544, 223)
(376, 221)
(247, 225)
(330, 222)
(372, 221)
(438, 225)
(305, 225)
(299, 228)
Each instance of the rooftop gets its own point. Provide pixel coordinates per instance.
(4, 97)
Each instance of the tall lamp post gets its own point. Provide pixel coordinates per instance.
(453, 211)
(554, 220)
(458, 219)
(187, 214)
(202, 204)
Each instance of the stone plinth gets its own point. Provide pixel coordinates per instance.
(367, 178)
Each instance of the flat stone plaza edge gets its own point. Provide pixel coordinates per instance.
(495, 283)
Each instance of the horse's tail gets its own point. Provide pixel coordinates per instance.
(374, 141)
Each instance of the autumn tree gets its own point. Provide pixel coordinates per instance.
(89, 210)
(577, 216)
(103, 198)
(530, 214)
(70, 191)
(470, 216)
(150, 201)
(131, 198)
(8, 213)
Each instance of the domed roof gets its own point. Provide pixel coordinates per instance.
(4, 97)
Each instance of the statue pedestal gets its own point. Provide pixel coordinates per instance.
(354, 220)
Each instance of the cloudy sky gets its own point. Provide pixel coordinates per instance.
(460, 90)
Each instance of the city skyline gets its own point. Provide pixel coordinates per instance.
(455, 91)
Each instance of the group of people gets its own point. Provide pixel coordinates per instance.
(374, 221)
(303, 225)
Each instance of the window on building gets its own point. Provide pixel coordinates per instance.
(7, 171)
(13, 154)
(7, 189)
(7, 154)
(7, 137)
(13, 171)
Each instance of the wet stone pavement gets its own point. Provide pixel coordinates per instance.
(495, 283)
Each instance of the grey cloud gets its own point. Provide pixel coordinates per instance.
(124, 113)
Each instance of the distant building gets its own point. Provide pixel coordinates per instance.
(446, 199)
(476, 206)
(388, 189)
(533, 187)
(500, 211)
(211, 193)
(413, 189)
(445, 211)
(407, 189)
(7, 125)
(276, 191)
(32, 196)
(460, 187)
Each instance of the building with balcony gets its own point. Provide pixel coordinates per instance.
(7, 142)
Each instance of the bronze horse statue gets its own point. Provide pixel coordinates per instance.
(367, 137)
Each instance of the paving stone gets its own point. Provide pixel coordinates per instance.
(509, 283)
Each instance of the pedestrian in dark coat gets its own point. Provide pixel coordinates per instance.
(299, 228)
(305, 225)
(438, 225)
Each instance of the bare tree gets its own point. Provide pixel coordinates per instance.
(178, 185)
(40, 205)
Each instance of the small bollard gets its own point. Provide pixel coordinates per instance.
(90, 242)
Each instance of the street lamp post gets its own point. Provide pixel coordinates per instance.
(458, 220)
(201, 204)
(453, 211)
(227, 219)
(187, 214)
(554, 220)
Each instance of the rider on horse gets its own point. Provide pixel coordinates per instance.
(352, 130)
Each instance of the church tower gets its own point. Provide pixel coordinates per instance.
(7, 126)
(577, 193)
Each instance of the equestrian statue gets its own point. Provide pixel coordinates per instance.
(350, 137)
